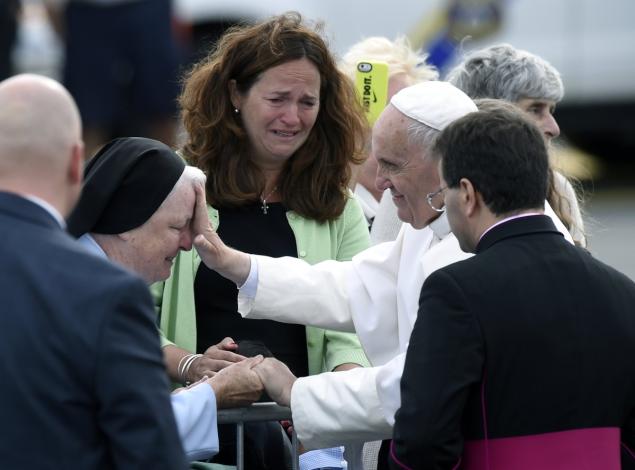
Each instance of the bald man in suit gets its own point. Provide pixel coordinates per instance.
(84, 381)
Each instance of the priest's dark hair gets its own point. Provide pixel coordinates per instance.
(502, 154)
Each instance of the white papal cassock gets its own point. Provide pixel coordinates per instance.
(376, 294)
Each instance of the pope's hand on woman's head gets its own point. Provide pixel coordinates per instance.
(229, 263)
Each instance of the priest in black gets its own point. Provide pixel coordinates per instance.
(522, 357)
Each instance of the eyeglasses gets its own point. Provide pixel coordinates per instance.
(430, 198)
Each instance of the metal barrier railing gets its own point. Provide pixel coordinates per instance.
(256, 412)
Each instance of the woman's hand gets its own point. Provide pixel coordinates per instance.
(222, 354)
(216, 358)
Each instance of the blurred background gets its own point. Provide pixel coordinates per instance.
(589, 41)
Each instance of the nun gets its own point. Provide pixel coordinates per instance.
(135, 209)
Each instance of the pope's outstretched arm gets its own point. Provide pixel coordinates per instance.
(307, 301)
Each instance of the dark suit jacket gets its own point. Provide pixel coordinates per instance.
(83, 381)
(522, 357)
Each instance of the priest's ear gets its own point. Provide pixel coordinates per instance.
(472, 201)
(469, 198)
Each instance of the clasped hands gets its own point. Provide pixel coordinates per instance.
(239, 381)
(242, 383)
(234, 383)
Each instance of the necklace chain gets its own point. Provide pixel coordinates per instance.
(263, 199)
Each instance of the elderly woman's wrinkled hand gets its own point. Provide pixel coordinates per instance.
(238, 384)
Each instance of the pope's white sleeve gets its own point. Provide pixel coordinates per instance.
(388, 383)
(195, 414)
(325, 295)
(339, 408)
(292, 291)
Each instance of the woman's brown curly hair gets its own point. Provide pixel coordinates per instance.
(314, 180)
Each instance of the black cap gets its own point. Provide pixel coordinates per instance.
(124, 184)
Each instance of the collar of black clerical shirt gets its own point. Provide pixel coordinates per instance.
(516, 227)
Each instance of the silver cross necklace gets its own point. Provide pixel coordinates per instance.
(263, 199)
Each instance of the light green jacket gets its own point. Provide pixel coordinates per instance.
(340, 240)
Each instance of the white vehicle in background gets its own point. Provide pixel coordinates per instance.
(589, 41)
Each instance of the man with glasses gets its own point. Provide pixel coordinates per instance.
(376, 294)
(438, 196)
